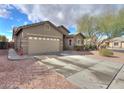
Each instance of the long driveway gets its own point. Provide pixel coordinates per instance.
(87, 72)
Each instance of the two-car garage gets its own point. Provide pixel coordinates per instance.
(38, 45)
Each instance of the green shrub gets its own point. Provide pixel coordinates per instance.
(78, 48)
(90, 47)
(87, 47)
(105, 52)
(65, 47)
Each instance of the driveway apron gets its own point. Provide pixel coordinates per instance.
(83, 71)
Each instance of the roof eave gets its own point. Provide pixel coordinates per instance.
(64, 28)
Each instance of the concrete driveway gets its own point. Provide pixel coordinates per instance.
(86, 72)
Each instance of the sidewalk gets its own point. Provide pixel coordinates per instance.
(12, 55)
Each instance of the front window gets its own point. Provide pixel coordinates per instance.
(79, 42)
(115, 43)
(70, 42)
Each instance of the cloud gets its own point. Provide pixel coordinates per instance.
(4, 11)
(9, 31)
(2, 33)
(25, 23)
(11, 18)
(61, 14)
(9, 38)
(18, 20)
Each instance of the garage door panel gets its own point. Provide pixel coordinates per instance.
(43, 45)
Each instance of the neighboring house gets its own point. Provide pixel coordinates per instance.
(117, 42)
(43, 37)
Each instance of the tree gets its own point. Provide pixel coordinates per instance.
(110, 24)
(0, 38)
(3, 38)
(87, 25)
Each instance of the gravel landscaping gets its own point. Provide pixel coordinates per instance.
(69, 70)
(117, 57)
(29, 74)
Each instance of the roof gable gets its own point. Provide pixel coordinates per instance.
(74, 35)
(80, 35)
(35, 24)
(63, 27)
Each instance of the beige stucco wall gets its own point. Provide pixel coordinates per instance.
(17, 40)
(45, 30)
(78, 37)
(120, 44)
(63, 31)
(67, 43)
(74, 41)
(110, 44)
(21, 42)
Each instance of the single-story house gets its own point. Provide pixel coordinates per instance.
(44, 37)
(117, 42)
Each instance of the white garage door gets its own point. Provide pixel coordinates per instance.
(37, 45)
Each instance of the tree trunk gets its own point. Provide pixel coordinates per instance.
(100, 43)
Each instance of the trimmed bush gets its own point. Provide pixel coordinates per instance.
(65, 47)
(93, 47)
(105, 52)
(90, 47)
(86, 47)
(78, 48)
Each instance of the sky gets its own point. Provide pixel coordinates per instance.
(67, 15)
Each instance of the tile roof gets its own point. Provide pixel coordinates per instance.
(118, 39)
(72, 35)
